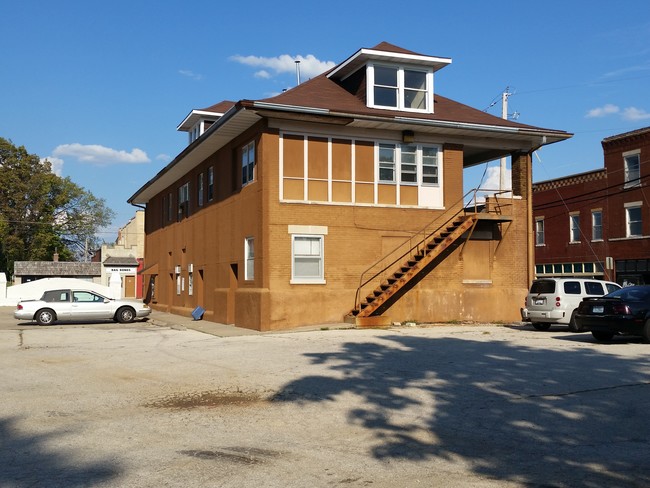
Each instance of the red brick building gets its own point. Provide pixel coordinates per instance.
(597, 224)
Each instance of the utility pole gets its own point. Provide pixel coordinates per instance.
(504, 115)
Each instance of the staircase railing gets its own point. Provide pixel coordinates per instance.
(426, 233)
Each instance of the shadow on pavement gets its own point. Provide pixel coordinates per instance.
(26, 461)
(536, 416)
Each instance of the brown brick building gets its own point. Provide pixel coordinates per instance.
(598, 223)
(342, 197)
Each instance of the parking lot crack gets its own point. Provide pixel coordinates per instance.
(590, 390)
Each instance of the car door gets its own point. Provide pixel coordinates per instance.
(60, 301)
(88, 306)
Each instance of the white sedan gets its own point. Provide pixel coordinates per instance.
(79, 306)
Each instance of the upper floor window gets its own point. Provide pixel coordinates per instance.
(596, 225)
(574, 228)
(183, 201)
(400, 88)
(414, 164)
(634, 227)
(199, 190)
(248, 163)
(632, 169)
(539, 232)
(210, 183)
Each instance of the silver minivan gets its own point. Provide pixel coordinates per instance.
(555, 300)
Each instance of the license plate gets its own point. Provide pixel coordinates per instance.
(539, 301)
(598, 309)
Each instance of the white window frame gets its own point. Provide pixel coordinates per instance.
(317, 233)
(248, 163)
(628, 222)
(401, 89)
(596, 235)
(397, 164)
(249, 259)
(540, 236)
(632, 175)
(574, 230)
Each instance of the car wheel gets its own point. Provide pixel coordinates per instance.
(599, 335)
(125, 315)
(646, 331)
(540, 326)
(573, 327)
(45, 317)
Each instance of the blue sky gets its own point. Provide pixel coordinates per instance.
(99, 88)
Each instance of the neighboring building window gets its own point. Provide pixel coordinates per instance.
(248, 163)
(199, 190)
(429, 165)
(210, 183)
(307, 259)
(400, 88)
(183, 201)
(249, 264)
(170, 205)
(539, 232)
(574, 228)
(596, 225)
(632, 170)
(408, 164)
(387, 163)
(633, 220)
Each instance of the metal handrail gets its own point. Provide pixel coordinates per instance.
(426, 236)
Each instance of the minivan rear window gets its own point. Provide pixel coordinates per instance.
(572, 288)
(543, 286)
(594, 288)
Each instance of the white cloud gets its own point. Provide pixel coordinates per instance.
(163, 157)
(492, 183)
(605, 110)
(191, 74)
(310, 66)
(633, 113)
(56, 163)
(100, 155)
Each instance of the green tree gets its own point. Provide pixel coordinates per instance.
(41, 213)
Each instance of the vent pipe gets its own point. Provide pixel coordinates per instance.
(298, 70)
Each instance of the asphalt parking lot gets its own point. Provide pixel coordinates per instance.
(164, 404)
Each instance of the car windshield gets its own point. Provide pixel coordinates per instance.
(543, 286)
(632, 293)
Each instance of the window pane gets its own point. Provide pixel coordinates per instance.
(307, 268)
(430, 165)
(386, 162)
(634, 221)
(415, 99)
(385, 76)
(408, 168)
(632, 168)
(386, 97)
(415, 79)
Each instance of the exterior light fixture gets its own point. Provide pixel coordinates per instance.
(408, 136)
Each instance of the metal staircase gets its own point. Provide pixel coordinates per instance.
(386, 282)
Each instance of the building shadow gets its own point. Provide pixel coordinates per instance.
(28, 461)
(536, 416)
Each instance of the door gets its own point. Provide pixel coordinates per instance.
(129, 287)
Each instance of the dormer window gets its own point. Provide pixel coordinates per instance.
(399, 87)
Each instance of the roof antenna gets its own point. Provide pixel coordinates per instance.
(298, 70)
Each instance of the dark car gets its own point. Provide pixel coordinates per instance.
(625, 311)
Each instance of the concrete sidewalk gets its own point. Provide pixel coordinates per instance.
(179, 322)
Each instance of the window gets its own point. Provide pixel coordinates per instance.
(86, 296)
(633, 220)
(248, 163)
(170, 205)
(632, 170)
(199, 190)
(408, 164)
(539, 232)
(387, 163)
(183, 201)
(572, 287)
(249, 263)
(210, 183)
(429, 165)
(400, 88)
(594, 288)
(574, 228)
(596, 225)
(410, 161)
(307, 258)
